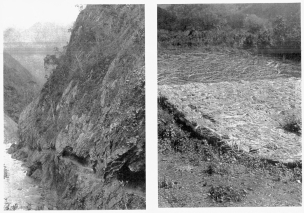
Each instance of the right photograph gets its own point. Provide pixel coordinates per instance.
(229, 105)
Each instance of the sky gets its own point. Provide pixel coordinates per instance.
(24, 14)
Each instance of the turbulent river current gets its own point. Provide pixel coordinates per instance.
(20, 191)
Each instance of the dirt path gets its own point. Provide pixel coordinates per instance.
(193, 183)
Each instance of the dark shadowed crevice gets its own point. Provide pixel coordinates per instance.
(126, 175)
(36, 165)
(133, 180)
(68, 153)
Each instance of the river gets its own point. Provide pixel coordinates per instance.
(20, 191)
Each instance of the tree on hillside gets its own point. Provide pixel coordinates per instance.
(254, 24)
(234, 25)
(236, 20)
(264, 38)
(165, 20)
(279, 30)
(286, 34)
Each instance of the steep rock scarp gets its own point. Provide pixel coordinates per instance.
(84, 136)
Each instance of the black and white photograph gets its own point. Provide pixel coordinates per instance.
(229, 105)
(74, 106)
(199, 99)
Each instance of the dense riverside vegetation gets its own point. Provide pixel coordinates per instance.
(245, 26)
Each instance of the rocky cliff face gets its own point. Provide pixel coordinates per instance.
(84, 136)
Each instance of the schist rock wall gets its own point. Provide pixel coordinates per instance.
(84, 136)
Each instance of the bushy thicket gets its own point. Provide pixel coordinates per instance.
(238, 26)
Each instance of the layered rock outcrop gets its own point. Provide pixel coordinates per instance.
(84, 136)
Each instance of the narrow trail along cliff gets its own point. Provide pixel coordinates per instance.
(83, 137)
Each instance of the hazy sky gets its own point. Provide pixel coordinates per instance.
(23, 14)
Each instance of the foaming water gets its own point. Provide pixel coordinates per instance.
(22, 192)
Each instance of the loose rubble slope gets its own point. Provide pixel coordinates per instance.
(221, 140)
(234, 100)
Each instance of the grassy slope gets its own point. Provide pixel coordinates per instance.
(19, 87)
(194, 173)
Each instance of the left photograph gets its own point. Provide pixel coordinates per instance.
(74, 106)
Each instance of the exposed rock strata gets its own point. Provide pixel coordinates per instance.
(84, 136)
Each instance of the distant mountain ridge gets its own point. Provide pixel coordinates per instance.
(20, 86)
(39, 32)
(30, 46)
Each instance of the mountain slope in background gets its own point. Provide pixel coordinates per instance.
(290, 11)
(84, 136)
(30, 46)
(20, 87)
(10, 129)
(39, 32)
(32, 60)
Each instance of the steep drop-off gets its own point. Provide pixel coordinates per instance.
(20, 87)
(84, 136)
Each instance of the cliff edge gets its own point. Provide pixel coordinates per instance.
(84, 136)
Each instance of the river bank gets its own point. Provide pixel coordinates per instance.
(20, 191)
